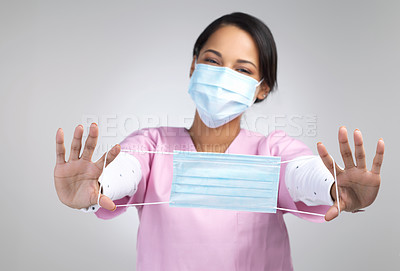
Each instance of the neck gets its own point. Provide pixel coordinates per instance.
(207, 139)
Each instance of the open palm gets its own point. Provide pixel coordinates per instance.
(357, 186)
(76, 181)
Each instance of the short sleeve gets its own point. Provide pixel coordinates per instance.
(141, 140)
(288, 148)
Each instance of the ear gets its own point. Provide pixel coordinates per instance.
(192, 66)
(264, 91)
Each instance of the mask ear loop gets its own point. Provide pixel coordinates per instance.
(336, 184)
(101, 179)
(259, 83)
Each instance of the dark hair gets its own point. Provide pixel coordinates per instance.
(261, 34)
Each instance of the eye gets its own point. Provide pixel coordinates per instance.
(212, 61)
(244, 71)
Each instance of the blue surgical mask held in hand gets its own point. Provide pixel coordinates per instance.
(225, 181)
(220, 93)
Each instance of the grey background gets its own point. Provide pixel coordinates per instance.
(126, 64)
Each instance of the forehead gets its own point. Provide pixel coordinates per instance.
(233, 43)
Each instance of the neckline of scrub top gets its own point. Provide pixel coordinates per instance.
(227, 149)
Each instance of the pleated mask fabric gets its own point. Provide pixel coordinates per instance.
(225, 181)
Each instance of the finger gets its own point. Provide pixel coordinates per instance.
(359, 150)
(326, 158)
(91, 142)
(110, 156)
(345, 148)
(60, 148)
(76, 143)
(105, 202)
(333, 212)
(378, 159)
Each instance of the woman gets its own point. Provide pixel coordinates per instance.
(234, 64)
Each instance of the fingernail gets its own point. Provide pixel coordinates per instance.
(319, 142)
(342, 126)
(381, 139)
(115, 208)
(357, 130)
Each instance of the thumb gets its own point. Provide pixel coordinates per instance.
(333, 212)
(107, 203)
(104, 201)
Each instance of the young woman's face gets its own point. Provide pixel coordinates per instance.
(234, 48)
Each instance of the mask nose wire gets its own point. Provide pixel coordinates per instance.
(258, 84)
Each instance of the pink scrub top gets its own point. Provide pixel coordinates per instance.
(174, 239)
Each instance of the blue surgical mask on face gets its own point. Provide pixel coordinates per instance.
(225, 181)
(220, 93)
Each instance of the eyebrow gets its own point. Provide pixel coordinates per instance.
(246, 61)
(239, 60)
(213, 51)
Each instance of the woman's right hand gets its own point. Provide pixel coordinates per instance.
(76, 181)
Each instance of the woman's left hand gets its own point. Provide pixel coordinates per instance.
(358, 186)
